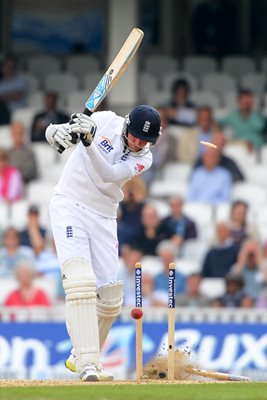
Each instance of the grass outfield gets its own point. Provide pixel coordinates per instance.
(179, 391)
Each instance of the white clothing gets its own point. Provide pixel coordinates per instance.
(94, 176)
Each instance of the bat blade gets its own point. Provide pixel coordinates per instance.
(115, 71)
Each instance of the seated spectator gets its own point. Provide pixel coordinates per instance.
(130, 255)
(189, 142)
(46, 260)
(130, 208)
(153, 231)
(181, 111)
(11, 182)
(222, 255)
(13, 87)
(13, 252)
(245, 123)
(218, 138)
(192, 296)
(163, 152)
(21, 155)
(234, 295)
(184, 227)
(50, 115)
(239, 227)
(27, 295)
(34, 234)
(210, 183)
(167, 252)
(250, 266)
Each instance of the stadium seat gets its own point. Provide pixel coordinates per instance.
(212, 287)
(40, 192)
(89, 82)
(18, 214)
(167, 80)
(261, 222)
(152, 265)
(63, 83)
(202, 215)
(176, 171)
(206, 98)
(42, 65)
(237, 150)
(157, 63)
(46, 158)
(218, 83)
(157, 97)
(162, 207)
(230, 99)
(5, 137)
(199, 65)
(194, 249)
(4, 215)
(147, 83)
(75, 100)
(257, 174)
(25, 116)
(188, 266)
(255, 82)
(238, 65)
(165, 189)
(255, 195)
(81, 64)
(222, 212)
(33, 81)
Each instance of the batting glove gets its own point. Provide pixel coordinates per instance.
(84, 126)
(61, 137)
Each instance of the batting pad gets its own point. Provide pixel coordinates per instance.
(81, 318)
(109, 302)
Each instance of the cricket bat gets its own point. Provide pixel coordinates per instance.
(114, 72)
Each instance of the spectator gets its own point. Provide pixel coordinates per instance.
(163, 152)
(46, 261)
(13, 252)
(218, 138)
(21, 155)
(192, 296)
(181, 111)
(153, 231)
(130, 208)
(50, 115)
(34, 234)
(251, 267)
(167, 251)
(245, 123)
(11, 182)
(234, 295)
(184, 227)
(239, 227)
(222, 255)
(209, 182)
(13, 88)
(189, 146)
(27, 295)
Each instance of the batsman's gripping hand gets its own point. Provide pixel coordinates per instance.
(60, 136)
(84, 126)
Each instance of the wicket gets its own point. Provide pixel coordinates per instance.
(139, 322)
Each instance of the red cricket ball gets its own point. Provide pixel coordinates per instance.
(136, 313)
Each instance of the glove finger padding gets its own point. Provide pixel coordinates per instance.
(85, 126)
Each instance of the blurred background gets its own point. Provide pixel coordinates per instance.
(203, 64)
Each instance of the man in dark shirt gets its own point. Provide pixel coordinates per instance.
(218, 138)
(50, 115)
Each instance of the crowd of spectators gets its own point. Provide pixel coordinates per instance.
(236, 254)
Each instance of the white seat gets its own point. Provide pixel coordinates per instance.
(195, 249)
(218, 83)
(46, 158)
(76, 100)
(157, 97)
(176, 170)
(168, 80)
(158, 63)
(4, 215)
(90, 80)
(162, 207)
(63, 83)
(230, 100)
(239, 153)
(254, 195)
(165, 189)
(5, 137)
(263, 153)
(147, 83)
(81, 64)
(42, 65)
(255, 82)
(212, 287)
(238, 65)
(199, 65)
(188, 266)
(260, 220)
(25, 116)
(18, 214)
(205, 98)
(222, 212)
(200, 213)
(152, 265)
(257, 174)
(40, 192)
(33, 81)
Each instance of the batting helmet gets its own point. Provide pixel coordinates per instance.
(143, 122)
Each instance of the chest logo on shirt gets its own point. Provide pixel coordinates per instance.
(105, 145)
(139, 167)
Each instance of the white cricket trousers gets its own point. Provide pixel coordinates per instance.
(79, 232)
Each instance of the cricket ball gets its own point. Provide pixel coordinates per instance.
(136, 313)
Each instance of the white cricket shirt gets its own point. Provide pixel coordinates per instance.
(94, 176)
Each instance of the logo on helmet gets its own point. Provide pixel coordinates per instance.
(146, 126)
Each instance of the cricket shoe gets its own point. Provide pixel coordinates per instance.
(95, 373)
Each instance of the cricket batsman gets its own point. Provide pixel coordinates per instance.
(110, 151)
